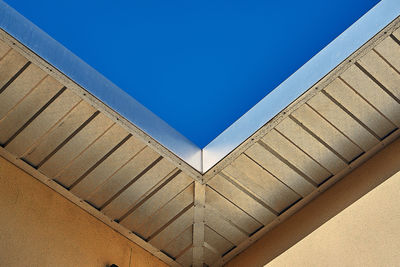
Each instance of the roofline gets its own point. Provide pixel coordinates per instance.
(200, 159)
(301, 81)
(96, 84)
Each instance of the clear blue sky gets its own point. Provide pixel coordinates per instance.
(199, 65)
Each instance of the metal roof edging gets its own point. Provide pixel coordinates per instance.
(299, 82)
(200, 159)
(96, 84)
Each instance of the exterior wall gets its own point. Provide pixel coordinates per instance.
(38, 227)
(354, 223)
(365, 234)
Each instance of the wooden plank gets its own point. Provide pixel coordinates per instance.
(390, 50)
(311, 146)
(231, 213)
(173, 230)
(131, 195)
(241, 199)
(359, 108)
(223, 228)
(4, 48)
(19, 88)
(179, 244)
(65, 128)
(43, 123)
(381, 71)
(295, 156)
(186, 258)
(216, 241)
(92, 155)
(10, 64)
(343, 121)
(279, 169)
(198, 255)
(370, 91)
(327, 133)
(143, 213)
(198, 224)
(396, 34)
(110, 165)
(208, 246)
(210, 257)
(128, 172)
(27, 108)
(165, 214)
(302, 203)
(251, 176)
(74, 147)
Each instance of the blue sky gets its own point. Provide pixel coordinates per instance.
(199, 65)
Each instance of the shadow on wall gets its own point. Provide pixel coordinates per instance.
(330, 203)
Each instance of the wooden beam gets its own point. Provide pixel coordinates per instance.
(198, 224)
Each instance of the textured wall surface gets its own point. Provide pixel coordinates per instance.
(354, 223)
(364, 234)
(38, 227)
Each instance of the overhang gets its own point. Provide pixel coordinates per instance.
(74, 130)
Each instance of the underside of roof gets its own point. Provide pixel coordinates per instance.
(67, 138)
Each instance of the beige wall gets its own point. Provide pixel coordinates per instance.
(38, 227)
(365, 234)
(355, 223)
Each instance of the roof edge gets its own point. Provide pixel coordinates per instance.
(201, 160)
(299, 82)
(97, 85)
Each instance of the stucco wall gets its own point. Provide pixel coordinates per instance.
(365, 234)
(354, 223)
(38, 227)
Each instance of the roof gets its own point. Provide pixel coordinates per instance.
(78, 133)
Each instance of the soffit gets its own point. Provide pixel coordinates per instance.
(311, 147)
